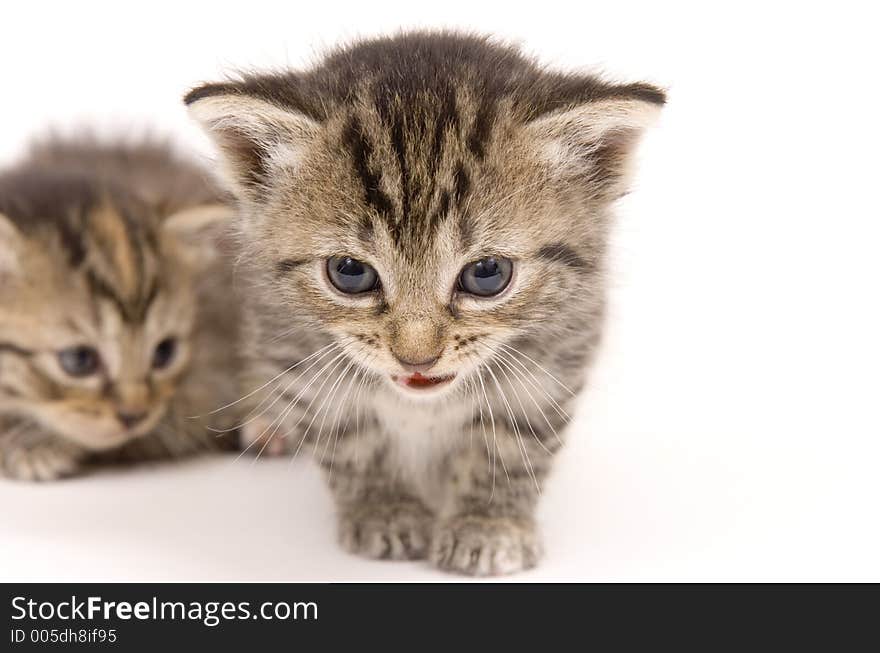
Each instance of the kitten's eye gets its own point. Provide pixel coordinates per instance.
(164, 353)
(79, 361)
(350, 275)
(486, 277)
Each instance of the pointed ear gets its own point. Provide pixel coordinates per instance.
(254, 136)
(10, 246)
(595, 141)
(196, 231)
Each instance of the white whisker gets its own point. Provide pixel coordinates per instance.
(521, 406)
(494, 457)
(360, 371)
(308, 408)
(522, 449)
(535, 383)
(357, 425)
(329, 400)
(274, 378)
(251, 417)
(278, 420)
(536, 363)
(518, 375)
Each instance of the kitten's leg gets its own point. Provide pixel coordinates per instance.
(29, 454)
(488, 527)
(379, 515)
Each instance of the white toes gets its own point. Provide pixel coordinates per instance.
(485, 546)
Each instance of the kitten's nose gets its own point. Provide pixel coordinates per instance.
(129, 419)
(417, 366)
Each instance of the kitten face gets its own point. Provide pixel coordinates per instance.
(96, 311)
(420, 315)
(424, 211)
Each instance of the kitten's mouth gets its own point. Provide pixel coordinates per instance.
(422, 382)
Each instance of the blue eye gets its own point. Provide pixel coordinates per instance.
(351, 276)
(79, 361)
(486, 277)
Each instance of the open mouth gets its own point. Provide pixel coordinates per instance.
(419, 381)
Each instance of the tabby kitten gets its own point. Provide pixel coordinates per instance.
(112, 330)
(423, 226)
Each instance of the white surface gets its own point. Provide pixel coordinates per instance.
(731, 432)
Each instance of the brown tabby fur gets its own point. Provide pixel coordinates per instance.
(419, 154)
(112, 246)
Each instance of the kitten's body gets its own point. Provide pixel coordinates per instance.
(110, 247)
(420, 155)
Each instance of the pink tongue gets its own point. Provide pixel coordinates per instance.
(418, 381)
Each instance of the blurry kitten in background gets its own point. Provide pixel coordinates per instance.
(115, 319)
(423, 222)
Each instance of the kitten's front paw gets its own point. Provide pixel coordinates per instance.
(42, 462)
(397, 530)
(485, 546)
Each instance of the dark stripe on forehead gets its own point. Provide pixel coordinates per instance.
(481, 129)
(447, 120)
(135, 233)
(443, 207)
(133, 310)
(152, 293)
(361, 151)
(72, 241)
(399, 145)
(562, 253)
(465, 230)
(462, 184)
(461, 187)
(124, 255)
(142, 304)
(100, 288)
(440, 211)
(394, 122)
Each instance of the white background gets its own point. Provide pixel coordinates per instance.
(731, 431)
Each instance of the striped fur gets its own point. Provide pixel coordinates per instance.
(105, 246)
(418, 154)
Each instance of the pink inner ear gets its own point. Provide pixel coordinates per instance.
(592, 145)
(610, 158)
(248, 156)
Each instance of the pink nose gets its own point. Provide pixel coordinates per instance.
(128, 419)
(417, 366)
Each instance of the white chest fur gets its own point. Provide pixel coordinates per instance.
(421, 433)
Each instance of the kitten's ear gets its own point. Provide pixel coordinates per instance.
(197, 231)
(595, 140)
(10, 246)
(254, 136)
